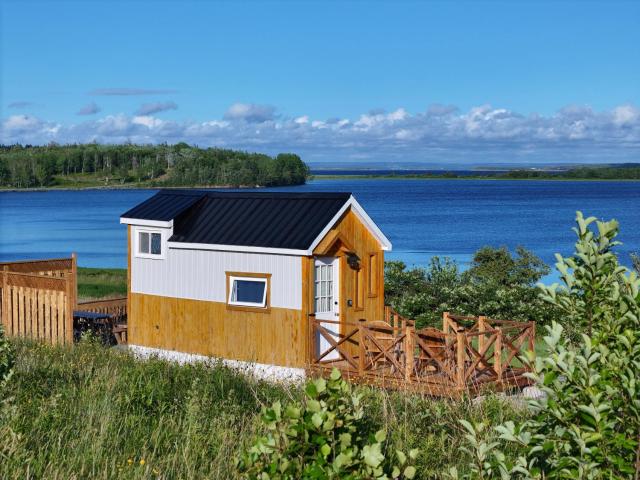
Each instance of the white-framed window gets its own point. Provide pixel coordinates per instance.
(249, 291)
(149, 243)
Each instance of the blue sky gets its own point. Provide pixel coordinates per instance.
(459, 82)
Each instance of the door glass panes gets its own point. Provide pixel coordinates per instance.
(323, 290)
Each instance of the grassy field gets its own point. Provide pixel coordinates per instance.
(101, 283)
(92, 412)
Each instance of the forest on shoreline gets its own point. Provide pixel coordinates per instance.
(596, 172)
(94, 165)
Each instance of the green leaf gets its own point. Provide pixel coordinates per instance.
(325, 450)
(380, 436)
(410, 472)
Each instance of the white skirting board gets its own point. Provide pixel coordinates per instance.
(257, 370)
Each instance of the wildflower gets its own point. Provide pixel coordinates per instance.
(142, 461)
(130, 461)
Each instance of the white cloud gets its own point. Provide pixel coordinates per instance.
(250, 112)
(156, 107)
(483, 133)
(89, 109)
(625, 115)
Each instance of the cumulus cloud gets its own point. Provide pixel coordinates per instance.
(125, 91)
(20, 104)
(151, 108)
(442, 133)
(250, 112)
(89, 109)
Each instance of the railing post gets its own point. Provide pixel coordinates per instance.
(409, 352)
(481, 329)
(445, 328)
(362, 351)
(312, 338)
(460, 355)
(497, 354)
(532, 337)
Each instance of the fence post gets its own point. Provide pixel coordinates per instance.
(362, 351)
(4, 302)
(497, 354)
(460, 355)
(74, 279)
(409, 352)
(481, 328)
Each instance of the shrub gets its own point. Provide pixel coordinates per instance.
(588, 426)
(324, 436)
(7, 360)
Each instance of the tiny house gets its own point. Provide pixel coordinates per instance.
(236, 275)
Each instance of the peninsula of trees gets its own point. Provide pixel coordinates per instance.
(92, 165)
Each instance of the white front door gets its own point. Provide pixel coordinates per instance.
(327, 302)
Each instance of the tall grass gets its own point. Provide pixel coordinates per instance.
(96, 283)
(91, 412)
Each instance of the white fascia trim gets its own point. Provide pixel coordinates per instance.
(373, 228)
(362, 215)
(147, 223)
(256, 370)
(238, 248)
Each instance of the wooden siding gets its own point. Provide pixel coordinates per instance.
(209, 328)
(200, 275)
(351, 231)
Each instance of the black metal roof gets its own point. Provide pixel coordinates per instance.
(164, 205)
(255, 219)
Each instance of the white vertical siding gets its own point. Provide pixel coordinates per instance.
(200, 275)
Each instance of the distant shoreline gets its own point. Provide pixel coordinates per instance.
(318, 177)
(466, 177)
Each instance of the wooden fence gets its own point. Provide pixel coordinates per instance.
(116, 307)
(469, 354)
(38, 298)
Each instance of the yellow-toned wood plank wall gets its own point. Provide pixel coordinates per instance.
(360, 240)
(209, 328)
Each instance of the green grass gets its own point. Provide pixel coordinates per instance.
(101, 283)
(90, 412)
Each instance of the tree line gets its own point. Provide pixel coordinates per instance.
(172, 165)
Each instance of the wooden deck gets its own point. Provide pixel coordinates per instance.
(469, 355)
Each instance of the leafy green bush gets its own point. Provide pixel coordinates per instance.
(326, 436)
(588, 426)
(498, 284)
(7, 360)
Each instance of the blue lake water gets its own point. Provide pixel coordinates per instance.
(422, 218)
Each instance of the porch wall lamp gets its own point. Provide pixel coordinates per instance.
(353, 260)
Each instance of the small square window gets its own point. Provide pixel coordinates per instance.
(248, 291)
(149, 244)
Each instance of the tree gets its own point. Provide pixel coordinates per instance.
(587, 426)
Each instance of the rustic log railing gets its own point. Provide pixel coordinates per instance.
(484, 353)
